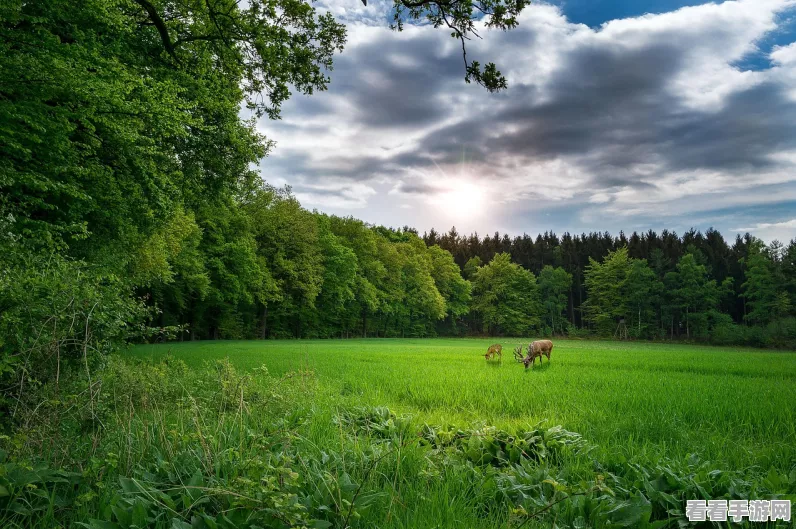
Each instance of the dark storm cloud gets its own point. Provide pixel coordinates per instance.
(352, 168)
(391, 83)
(320, 191)
(417, 188)
(753, 125)
(613, 111)
(609, 108)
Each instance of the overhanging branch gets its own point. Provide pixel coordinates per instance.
(161, 27)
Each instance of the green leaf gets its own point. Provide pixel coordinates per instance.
(139, 514)
(123, 516)
(633, 513)
(176, 523)
(102, 524)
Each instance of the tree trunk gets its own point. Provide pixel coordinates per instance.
(191, 320)
(687, 329)
(265, 322)
(571, 307)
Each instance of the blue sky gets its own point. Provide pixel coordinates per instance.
(594, 13)
(620, 115)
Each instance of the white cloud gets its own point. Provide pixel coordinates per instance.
(676, 141)
(783, 231)
(334, 195)
(768, 225)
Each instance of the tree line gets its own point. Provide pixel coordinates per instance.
(129, 210)
(261, 266)
(694, 286)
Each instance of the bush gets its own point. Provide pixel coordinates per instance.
(169, 447)
(575, 332)
(56, 313)
(781, 333)
(728, 333)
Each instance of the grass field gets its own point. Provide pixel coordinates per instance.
(736, 407)
(404, 434)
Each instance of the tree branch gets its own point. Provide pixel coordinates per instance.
(461, 17)
(161, 27)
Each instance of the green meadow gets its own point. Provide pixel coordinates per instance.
(737, 406)
(405, 434)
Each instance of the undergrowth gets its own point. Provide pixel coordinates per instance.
(159, 445)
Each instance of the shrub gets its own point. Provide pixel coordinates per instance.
(56, 313)
(582, 332)
(781, 333)
(728, 333)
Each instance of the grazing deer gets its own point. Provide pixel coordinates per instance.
(537, 349)
(495, 349)
(518, 355)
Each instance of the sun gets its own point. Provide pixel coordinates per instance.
(461, 199)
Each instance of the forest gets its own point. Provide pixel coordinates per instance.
(131, 211)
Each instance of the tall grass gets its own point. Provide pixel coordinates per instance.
(402, 434)
(737, 406)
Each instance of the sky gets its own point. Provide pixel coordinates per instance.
(620, 115)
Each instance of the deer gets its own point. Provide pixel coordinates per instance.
(495, 349)
(536, 349)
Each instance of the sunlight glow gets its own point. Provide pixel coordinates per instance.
(462, 200)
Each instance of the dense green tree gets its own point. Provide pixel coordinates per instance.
(287, 238)
(116, 110)
(506, 297)
(237, 277)
(171, 268)
(422, 303)
(621, 288)
(694, 294)
(340, 272)
(454, 289)
(554, 286)
(605, 283)
(471, 267)
(789, 269)
(765, 288)
(371, 273)
(642, 290)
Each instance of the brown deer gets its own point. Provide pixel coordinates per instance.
(537, 349)
(495, 349)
